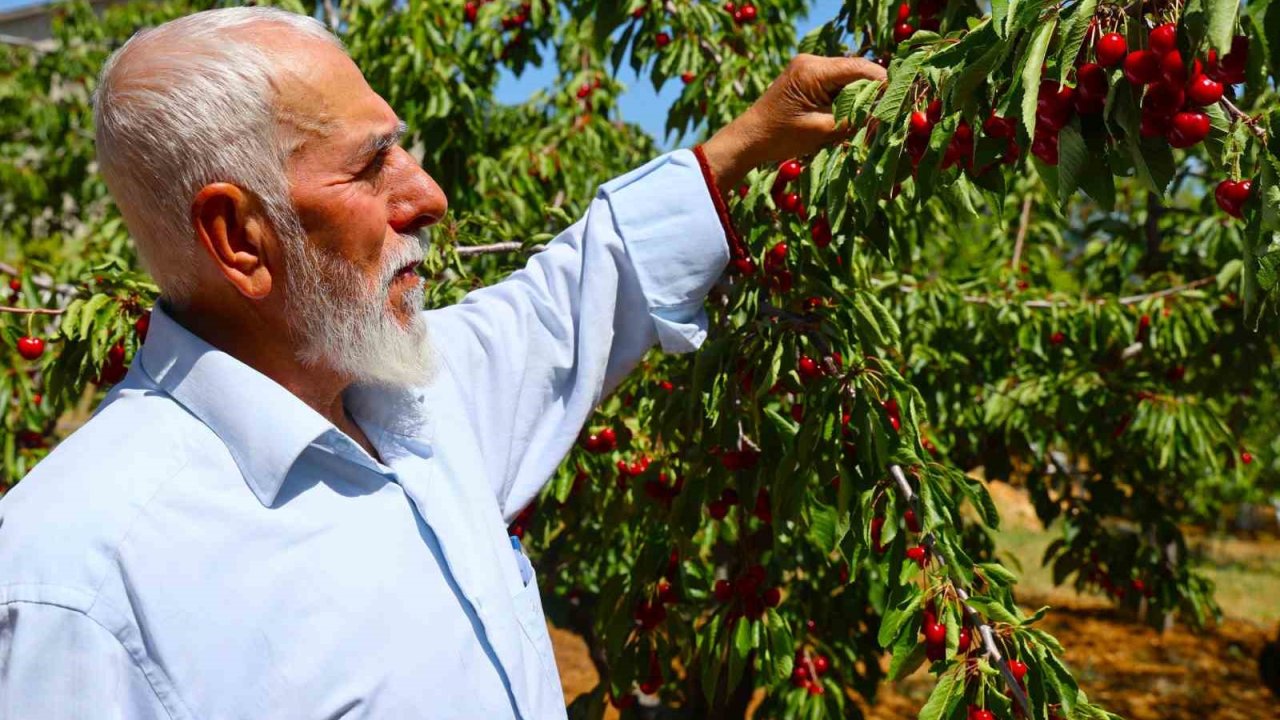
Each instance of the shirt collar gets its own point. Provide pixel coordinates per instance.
(265, 427)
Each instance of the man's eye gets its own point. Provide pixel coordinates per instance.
(375, 166)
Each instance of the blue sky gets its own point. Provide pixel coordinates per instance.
(640, 104)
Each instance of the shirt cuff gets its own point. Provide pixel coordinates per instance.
(675, 240)
(737, 249)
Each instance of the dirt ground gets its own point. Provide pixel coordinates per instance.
(1126, 667)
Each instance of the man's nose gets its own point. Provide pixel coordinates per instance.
(416, 200)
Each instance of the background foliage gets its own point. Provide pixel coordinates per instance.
(921, 303)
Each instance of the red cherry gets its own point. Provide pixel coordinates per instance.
(1018, 668)
(821, 664)
(816, 688)
(1054, 105)
(717, 510)
(723, 590)
(918, 554)
(820, 230)
(15, 284)
(1172, 69)
(729, 497)
(772, 597)
(1154, 124)
(935, 633)
(777, 256)
(748, 13)
(1164, 39)
(662, 39)
(934, 111)
(790, 202)
(1111, 49)
(902, 31)
(919, 124)
(877, 527)
(1057, 338)
(1246, 457)
(469, 11)
(584, 91)
(1164, 98)
(981, 714)
(800, 676)
(904, 12)
(1045, 147)
(36, 399)
(30, 348)
(1188, 129)
(998, 127)
(808, 368)
(744, 265)
(1204, 90)
(687, 77)
(1141, 67)
(789, 170)
(962, 643)
(1232, 194)
(609, 437)
(729, 7)
(141, 325)
(913, 523)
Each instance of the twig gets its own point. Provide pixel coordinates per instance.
(1023, 222)
(1127, 300)
(715, 54)
(493, 248)
(988, 637)
(1240, 115)
(30, 311)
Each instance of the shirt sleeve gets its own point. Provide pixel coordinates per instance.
(533, 354)
(59, 664)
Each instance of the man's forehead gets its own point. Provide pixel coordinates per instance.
(321, 92)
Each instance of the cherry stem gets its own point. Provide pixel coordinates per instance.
(988, 637)
(1240, 115)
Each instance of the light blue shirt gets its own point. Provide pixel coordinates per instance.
(208, 546)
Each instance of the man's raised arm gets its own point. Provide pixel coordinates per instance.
(532, 355)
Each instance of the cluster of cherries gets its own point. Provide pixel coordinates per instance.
(747, 594)
(807, 671)
(518, 19)
(584, 90)
(959, 151)
(744, 14)
(719, 508)
(603, 441)
(928, 11)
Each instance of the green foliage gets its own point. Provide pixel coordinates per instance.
(1079, 327)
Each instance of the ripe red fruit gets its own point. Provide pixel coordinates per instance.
(469, 11)
(729, 7)
(15, 284)
(913, 523)
(976, 713)
(1246, 457)
(723, 590)
(891, 411)
(820, 231)
(904, 12)
(610, 437)
(30, 348)
(1204, 90)
(800, 676)
(935, 633)
(998, 127)
(1164, 39)
(1172, 69)
(776, 257)
(962, 643)
(919, 124)
(1141, 67)
(1018, 668)
(902, 31)
(1111, 49)
(717, 509)
(1231, 195)
(141, 325)
(584, 91)
(918, 554)
(808, 368)
(772, 597)
(687, 77)
(36, 399)
(821, 664)
(1189, 128)
(744, 265)
(816, 688)
(1045, 147)
(748, 13)
(1054, 105)
(1091, 89)
(789, 170)
(877, 527)
(662, 39)
(1057, 338)
(934, 111)
(788, 202)
(1163, 98)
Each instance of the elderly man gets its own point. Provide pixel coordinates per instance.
(294, 505)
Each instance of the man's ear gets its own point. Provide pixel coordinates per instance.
(231, 225)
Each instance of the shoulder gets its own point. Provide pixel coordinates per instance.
(61, 525)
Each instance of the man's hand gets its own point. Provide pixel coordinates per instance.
(791, 119)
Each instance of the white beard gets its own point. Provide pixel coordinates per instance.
(342, 324)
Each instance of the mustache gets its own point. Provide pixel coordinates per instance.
(412, 251)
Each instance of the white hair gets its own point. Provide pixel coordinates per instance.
(185, 104)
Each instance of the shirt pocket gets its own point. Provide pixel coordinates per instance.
(528, 606)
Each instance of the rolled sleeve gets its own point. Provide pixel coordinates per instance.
(673, 235)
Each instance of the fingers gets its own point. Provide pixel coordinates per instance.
(833, 73)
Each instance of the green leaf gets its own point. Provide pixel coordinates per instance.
(902, 75)
(1073, 161)
(945, 697)
(905, 604)
(1031, 63)
(1073, 36)
(1222, 23)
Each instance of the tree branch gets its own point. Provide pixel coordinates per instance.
(494, 248)
(1241, 116)
(30, 311)
(1023, 222)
